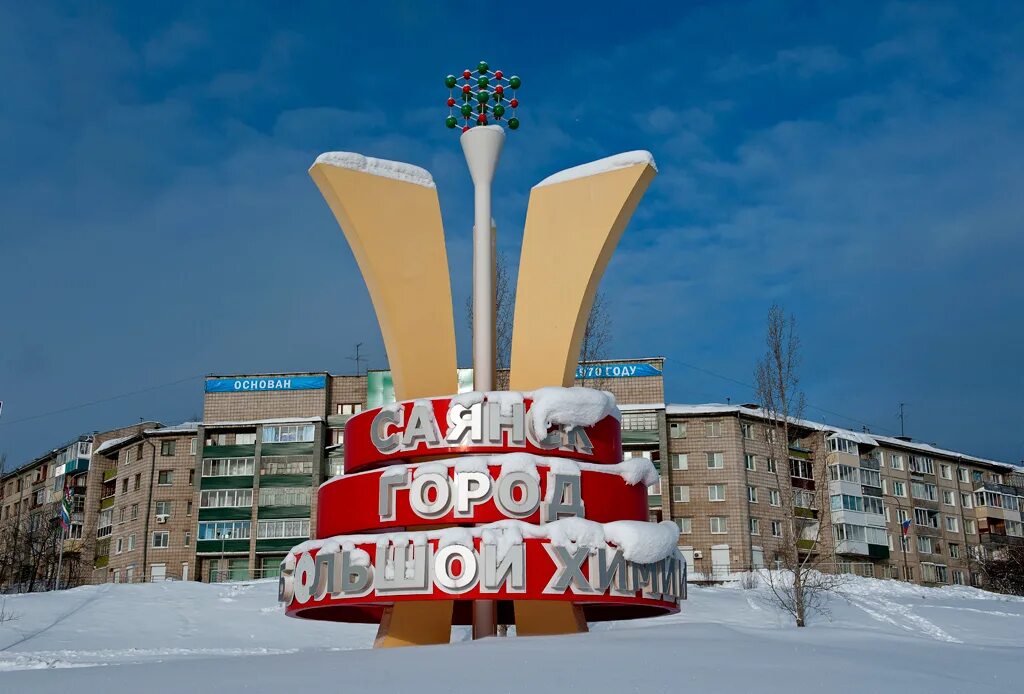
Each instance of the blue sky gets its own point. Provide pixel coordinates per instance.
(858, 163)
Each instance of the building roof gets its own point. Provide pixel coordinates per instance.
(256, 422)
(865, 438)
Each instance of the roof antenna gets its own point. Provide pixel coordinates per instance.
(358, 359)
(902, 432)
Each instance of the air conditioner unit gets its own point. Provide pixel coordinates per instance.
(697, 554)
(162, 517)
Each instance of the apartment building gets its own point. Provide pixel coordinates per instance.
(874, 505)
(30, 498)
(226, 498)
(145, 525)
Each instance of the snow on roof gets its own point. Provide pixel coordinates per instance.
(111, 443)
(616, 161)
(396, 170)
(859, 437)
(255, 422)
(183, 428)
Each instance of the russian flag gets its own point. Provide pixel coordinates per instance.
(906, 527)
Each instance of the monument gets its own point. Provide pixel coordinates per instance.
(488, 507)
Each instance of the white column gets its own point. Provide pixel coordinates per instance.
(482, 147)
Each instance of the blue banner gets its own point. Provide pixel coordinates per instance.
(262, 383)
(616, 371)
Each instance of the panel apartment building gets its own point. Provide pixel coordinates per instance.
(226, 498)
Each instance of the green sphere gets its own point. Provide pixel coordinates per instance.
(482, 96)
(451, 121)
(449, 81)
(513, 123)
(482, 82)
(482, 68)
(514, 82)
(467, 110)
(497, 97)
(467, 97)
(499, 110)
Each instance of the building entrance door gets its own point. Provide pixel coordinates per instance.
(719, 562)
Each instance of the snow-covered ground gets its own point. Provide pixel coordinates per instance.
(192, 637)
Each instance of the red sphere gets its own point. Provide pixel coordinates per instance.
(498, 74)
(467, 74)
(465, 89)
(499, 89)
(465, 128)
(451, 101)
(482, 118)
(513, 103)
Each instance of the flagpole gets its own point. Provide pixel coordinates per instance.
(60, 559)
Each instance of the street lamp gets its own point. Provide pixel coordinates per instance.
(220, 564)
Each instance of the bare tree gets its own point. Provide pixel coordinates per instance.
(596, 336)
(800, 584)
(1002, 568)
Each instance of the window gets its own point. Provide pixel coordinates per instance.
(926, 517)
(771, 465)
(716, 461)
(135, 511)
(287, 496)
(338, 437)
(1014, 528)
(752, 494)
(677, 430)
(840, 445)
(131, 542)
(286, 465)
(680, 461)
(774, 498)
(846, 502)
(952, 524)
(127, 456)
(719, 525)
(803, 469)
(922, 465)
(164, 477)
(713, 429)
(870, 478)
(105, 523)
(121, 514)
(216, 530)
(288, 433)
(283, 528)
(167, 447)
(188, 507)
(958, 577)
(137, 485)
(685, 525)
(899, 489)
(873, 504)
(776, 528)
(192, 446)
(163, 508)
(896, 461)
(843, 473)
(755, 526)
(226, 498)
(748, 430)
(188, 538)
(954, 550)
(963, 475)
(716, 492)
(228, 467)
(966, 501)
(680, 493)
(349, 407)
(920, 490)
(191, 477)
(750, 462)
(246, 439)
(947, 498)
(803, 498)
(119, 545)
(161, 539)
(124, 486)
(946, 471)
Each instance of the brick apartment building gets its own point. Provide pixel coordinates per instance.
(226, 498)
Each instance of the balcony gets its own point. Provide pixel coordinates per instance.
(109, 474)
(107, 502)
